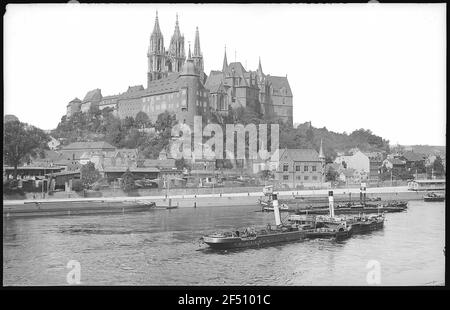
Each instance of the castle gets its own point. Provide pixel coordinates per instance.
(178, 84)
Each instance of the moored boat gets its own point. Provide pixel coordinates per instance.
(433, 197)
(252, 237)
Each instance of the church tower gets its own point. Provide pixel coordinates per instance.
(322, 161)
(225, 62)
(198, 56)
(176, 50)
(156, 57)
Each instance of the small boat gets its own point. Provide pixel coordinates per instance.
(432, 197)
(364, 224)
(283, 208)
(147, 203)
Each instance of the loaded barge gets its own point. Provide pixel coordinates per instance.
(251, 237)
(290, 231)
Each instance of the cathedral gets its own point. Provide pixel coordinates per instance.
(177, 83)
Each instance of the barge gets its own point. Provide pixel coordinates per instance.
(290, 231)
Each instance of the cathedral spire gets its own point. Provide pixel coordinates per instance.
(225, 62)
(156, 29)
(259, 65)
(197, 51)
(198, 57)
(189, 53)
(177, 32)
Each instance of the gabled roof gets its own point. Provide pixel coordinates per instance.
(237, 67)
(278, 82)
(214, 80)
(135, 88)
(171, 83)
(75, 100)
(111, 97)
(300, 155)
(396, 161)
(93, 95)
(412, 156)
(88, 145)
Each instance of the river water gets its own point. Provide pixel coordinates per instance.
(159, 247)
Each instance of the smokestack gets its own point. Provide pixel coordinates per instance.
(363, 193)
(331, 203)
(276, 209)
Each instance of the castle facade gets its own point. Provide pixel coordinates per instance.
(177, 83)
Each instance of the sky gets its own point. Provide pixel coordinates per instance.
(375, 66)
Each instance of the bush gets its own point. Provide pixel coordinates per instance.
(128, 181)
(77, 186)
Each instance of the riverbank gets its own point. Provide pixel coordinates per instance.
(73, 206)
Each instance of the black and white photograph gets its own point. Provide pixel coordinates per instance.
(217, 145)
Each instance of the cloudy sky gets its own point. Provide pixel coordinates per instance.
(374, 66)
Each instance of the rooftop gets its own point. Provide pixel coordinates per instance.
(88, 145)
(300, 154)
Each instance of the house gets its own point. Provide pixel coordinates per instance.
(300, 167)
(75, 150)
(375, 163)
(358, 161)
(394, 164)
(413, 160)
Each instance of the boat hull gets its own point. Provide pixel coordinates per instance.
(338, 235)
(433, 199)
(361, 227)
(257, 241)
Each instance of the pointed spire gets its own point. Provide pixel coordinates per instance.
(259, 65)
(197, 51)
(189, 54)
(225, 62)
(156, 29)
(177, 32)
(321, 155)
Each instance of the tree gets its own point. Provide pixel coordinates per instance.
(128, 181)
(128, 122)
(181, 164)
(266, 174)
(20, 142)
(89, 175)
(331, 174)
(438, 167)
(142, 119)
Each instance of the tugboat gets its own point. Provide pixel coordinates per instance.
(251, 237)
(432, 197)
(324, 226)
(364, 224)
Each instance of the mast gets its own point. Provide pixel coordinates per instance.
(331, 203)
(276, 209)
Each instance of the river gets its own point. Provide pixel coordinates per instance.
(159, 247)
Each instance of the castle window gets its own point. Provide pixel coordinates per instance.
(285, 177)
(305, 168)
(297, 168)
(285, 167)
(314, 168)
(306, 178)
